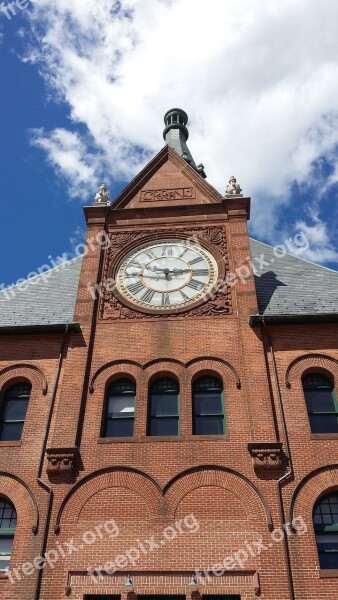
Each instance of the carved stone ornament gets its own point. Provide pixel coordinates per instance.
(102, 196)
(233, 188)
(266, 455)
(60, 460)
(218, 304)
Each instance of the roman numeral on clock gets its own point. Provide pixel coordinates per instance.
(195, 285)
(184, 296)
(150, 253)
(135, 264)
(167, 251)
(200, 271)
(148, 296)
(135, 287)
(165, 299)
(196, 260)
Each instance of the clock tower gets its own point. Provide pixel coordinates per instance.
(168, 413)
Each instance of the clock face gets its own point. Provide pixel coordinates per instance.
(166, 275)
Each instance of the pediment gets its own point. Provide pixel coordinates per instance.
(167, 181)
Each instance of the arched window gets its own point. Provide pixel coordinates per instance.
(13, 411)
(7, 531)
(321, 403)
(325, 520)
(163, 413)
(208, 406)
(120, 409)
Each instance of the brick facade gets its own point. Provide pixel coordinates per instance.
(149, 486)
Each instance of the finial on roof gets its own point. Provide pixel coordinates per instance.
(176, 135)
(176, 118)
(233, 188)
(102, 196)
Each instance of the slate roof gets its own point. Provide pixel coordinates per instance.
(44, 301)
(285, 286)
(292, 286)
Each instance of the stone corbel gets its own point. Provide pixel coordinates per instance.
(61, 460)
(266, 455)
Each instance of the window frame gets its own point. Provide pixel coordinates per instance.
(326, 530)
(177, 416)
(126, 417)
(208, 415)
(3, 405)
(8, 532)
(313, 414)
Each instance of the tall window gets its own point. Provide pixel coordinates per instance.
(208, 406)
(7, 531)
(120, 409)
(163, 415)
(321, 403)
(13, 411)
(325, 520)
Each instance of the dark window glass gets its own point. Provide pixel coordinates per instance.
(7, 530)
(163, 412)
(100, 597)
(13, 411)
(321, 403)
(120, 409)
(208, 411)
(325, 520)
(220, 597)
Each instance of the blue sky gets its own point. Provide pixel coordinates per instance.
(84, 88)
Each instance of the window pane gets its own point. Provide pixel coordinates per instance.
(320, 400)
(7, 515)
(327, 540)
(119, 428)
(209, 425)
(210, 384)
(208, 403)
(324, 423)
(21, 390)
(162, 405)
(11, 432)
(119, 406)
(328, 561)
(122, 386)
(15, 410)
(163, 426)
(165, 385)
(6, 543)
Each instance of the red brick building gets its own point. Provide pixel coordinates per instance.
(168, 408)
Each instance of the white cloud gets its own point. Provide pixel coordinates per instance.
(259, 80)
(64, 150)
(320, 247)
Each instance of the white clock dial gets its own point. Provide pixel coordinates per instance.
(166, 275)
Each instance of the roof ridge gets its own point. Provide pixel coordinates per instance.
(309, 262)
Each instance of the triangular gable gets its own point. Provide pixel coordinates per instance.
(167, 181)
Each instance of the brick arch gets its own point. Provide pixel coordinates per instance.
(123, 477)
(19, 493)
(165, 368)
(314, 485)
(172, 361)
(24, 371)
(215, 476)
(114, 368)
(216, 366)
(313, 360)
